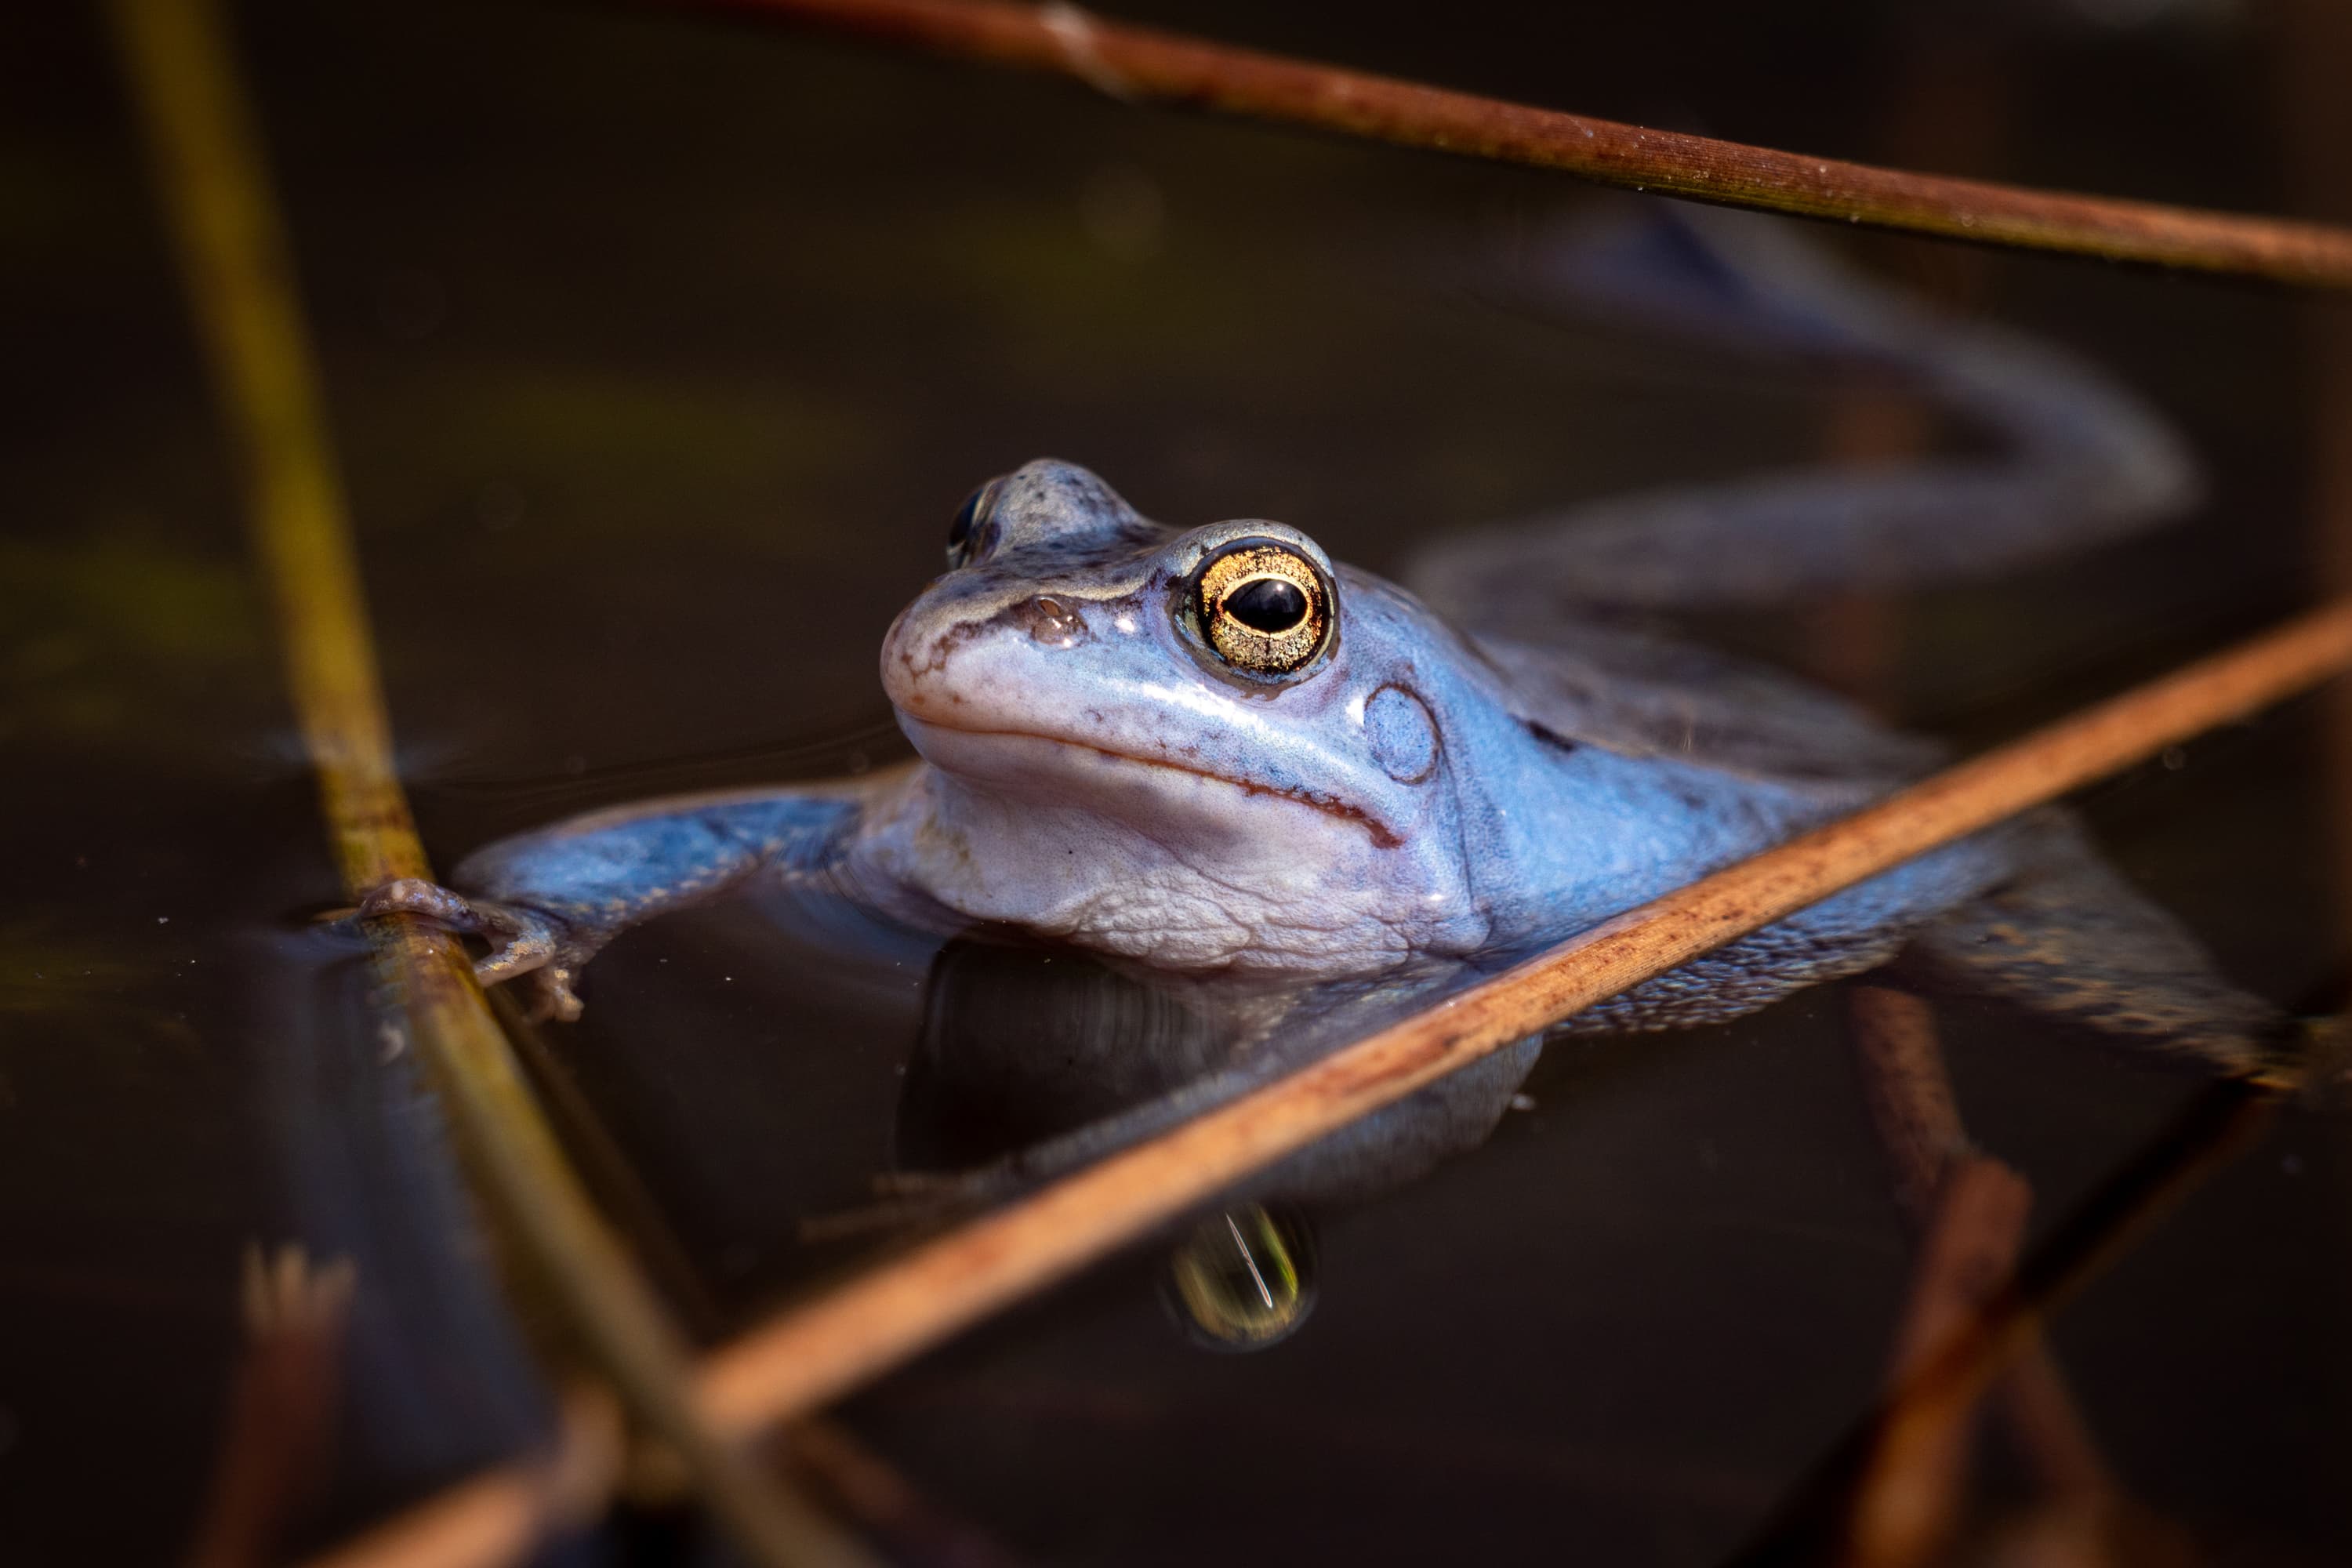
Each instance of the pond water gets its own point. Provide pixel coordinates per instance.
(659, 352)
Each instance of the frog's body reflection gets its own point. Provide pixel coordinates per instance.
(1023, 1044)
(1301, 799)
(1029, 1056)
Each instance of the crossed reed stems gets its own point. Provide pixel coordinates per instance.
(1889, 1489)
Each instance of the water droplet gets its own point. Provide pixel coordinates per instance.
(1244, 1279)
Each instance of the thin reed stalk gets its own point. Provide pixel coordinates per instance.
(207, 157)
(1907, 1089)
(236, 265)
(1909, 1503)
(1145, 64)
(1934, 1398)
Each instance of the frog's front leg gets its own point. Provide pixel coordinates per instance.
(522, 941)
(549, 899)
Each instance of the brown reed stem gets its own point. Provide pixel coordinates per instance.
(2221, 1123)
(238, 270)
(1909, 1499)
(1145, 64)
(1907, 1090)
(871, 1324)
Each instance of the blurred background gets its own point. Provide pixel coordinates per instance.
(660, 350)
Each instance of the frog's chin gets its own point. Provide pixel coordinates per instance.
(1032, 763)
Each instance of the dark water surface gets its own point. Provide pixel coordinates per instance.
(659, 352)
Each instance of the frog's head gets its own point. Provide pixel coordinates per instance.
(1202, 748)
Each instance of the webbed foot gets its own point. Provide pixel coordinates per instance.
(522, 942)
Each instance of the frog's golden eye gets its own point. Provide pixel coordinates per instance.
(974, 530)
(1264, 607)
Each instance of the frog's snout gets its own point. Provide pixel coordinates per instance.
(921, 655)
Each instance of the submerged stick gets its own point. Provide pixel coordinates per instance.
(1907, 1089)
(2217, 1126)
(1146, 65)
(208, 161)
(1911, 1492)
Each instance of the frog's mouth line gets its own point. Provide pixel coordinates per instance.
(1378, 832)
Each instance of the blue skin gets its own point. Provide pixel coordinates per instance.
(1094, 773)
(1424, 798)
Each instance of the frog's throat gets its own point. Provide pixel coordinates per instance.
(1382, 835)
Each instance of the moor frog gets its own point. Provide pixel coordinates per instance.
(1302, 795)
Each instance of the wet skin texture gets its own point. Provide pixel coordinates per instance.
(1316, 826)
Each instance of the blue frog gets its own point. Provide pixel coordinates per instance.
(1303, 796)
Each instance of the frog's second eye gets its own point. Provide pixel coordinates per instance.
(1264, 607)
(970, 535)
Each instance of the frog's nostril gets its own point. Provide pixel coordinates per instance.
(1053, 621)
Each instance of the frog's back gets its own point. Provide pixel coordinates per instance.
(1642, 694)
(2028, 912)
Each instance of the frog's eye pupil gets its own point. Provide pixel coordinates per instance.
(1268, 604)
(1262, 607)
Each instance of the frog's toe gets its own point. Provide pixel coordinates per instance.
(427, 900)
(531, 945)
(522, 942)
(552, 992)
